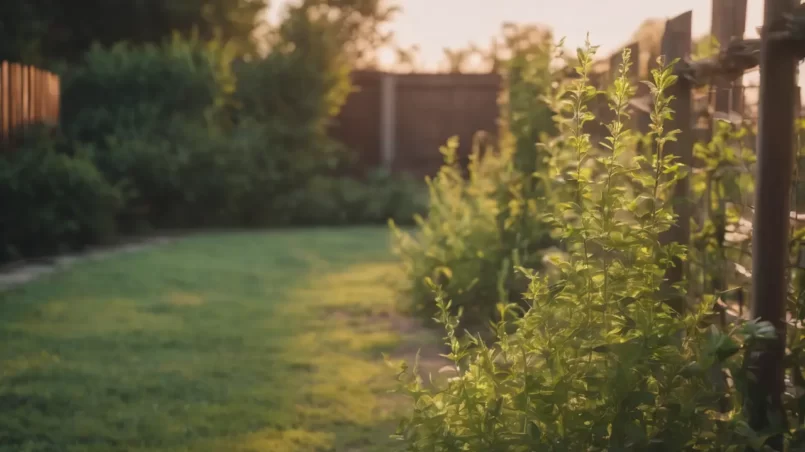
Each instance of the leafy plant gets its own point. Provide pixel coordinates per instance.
(140, 88)
(52, 201)
(475, 230)
(482, 223)
(724, 183)
(598, 360)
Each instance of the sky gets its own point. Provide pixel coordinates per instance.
(435, 24)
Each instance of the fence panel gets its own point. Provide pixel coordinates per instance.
(28, 96)
(427, 109)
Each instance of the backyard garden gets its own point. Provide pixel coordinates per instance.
(596, 276)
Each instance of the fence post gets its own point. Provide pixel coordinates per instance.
(388, 120)
(676, 43)
(771, 221)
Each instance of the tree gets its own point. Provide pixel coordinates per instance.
(649, 37)
(458, 60)
(407, 58)
(44, 31)
(358, 25)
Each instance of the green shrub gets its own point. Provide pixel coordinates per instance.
(376, 199)
(141, 88)
(193, 175)
(190, 138)
(52, 202)
(477, 227)
(475, 230)
(598, 360)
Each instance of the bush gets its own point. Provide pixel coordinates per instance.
(195, 176)
(141, 88)
(191, 138)
(52, 201)
(480, 226)
(476, 229)
(342, 200)
(598, 360)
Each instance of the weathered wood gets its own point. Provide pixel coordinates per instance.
(771, 223)
(677, 43)
(728, 25)
(28, 95)
(729, 64)
(5, 105)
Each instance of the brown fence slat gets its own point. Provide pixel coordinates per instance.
(728, 24)
(4, 104)
(677, 43)
(28, 95)
(14, 81)
(429, 109)
(778, 67)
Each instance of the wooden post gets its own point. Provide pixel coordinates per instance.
(4, 105)
(388, 120)
(676, 43)
(26, 96)
(771, 221)
(13, 103)
(728, 23)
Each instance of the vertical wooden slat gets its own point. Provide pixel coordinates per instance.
(4, 105)
(34, 95)
(771, 220)
(48, 98)
(26, 96)
(40, 90)
(728, 23)
(19, 102)
(14, 103)
(56, 99)
(677, 43)
(43, 96)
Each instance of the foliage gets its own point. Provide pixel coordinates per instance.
(358, 26)
(197, 176)
(724, 184)
(478, 227)
(192, 176)
(193, 134)
(528, 79)
(377, 199)
(52, 201)
(294, 93)
(48, 31)
(598, 360)
(140, 88)
(475, 230)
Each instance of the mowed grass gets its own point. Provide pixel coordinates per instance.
(229, 342)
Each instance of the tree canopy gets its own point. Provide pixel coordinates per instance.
(45, 31)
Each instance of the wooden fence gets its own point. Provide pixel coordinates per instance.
(28, 96)
(775, 54)
(399, 121)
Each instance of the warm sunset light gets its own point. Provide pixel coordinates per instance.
(436, 24)
(386, 225)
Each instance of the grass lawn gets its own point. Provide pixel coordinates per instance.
(265, 341)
